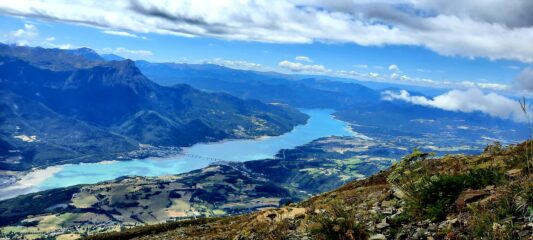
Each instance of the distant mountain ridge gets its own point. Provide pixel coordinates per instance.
(91, 107)
(53, 58)
(264, 86)
(353, 101)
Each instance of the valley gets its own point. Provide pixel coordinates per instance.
(216, 190)
(266, 120)
(173, 153)
(102, 110)
(455, 196)
(320, 124)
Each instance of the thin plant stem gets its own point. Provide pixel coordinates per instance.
(524, 107)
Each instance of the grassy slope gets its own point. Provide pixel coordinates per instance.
(374, 208)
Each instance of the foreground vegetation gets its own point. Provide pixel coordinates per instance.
(488, 196)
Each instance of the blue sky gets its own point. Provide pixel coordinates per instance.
(375, 53)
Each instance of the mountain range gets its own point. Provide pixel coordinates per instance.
(71, 106)
(264, 86)
(127, 103)
(65, 106)
(353, 101)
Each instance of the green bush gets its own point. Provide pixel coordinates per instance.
(497, 219)
(431, 195)
(435, 196)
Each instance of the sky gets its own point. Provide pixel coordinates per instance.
(457, 45)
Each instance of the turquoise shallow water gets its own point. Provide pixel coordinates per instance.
(320, 124)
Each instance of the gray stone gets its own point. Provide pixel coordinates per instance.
(432, 227)
(389, 204)
(378, 237)
(382, 225)
(388, 211)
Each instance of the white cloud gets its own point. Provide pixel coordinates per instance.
(238, 64)
(23, 36)
(121, 33)
(361, 66)
(303, 59)
(515, 13)
(128, 53)
(496, 29)
(300, 67)
(133, 52)
(373, 75)
(394, 67)
(492, 86)
(29, 35)
(395, 77)
(524, 81)
(471, 100)
(50, 42)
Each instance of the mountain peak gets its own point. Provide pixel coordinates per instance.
(114, 73)
(112, 57)
(126, 68)
(87, 53)
(53, 58)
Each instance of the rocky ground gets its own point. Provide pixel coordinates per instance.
(488, 196)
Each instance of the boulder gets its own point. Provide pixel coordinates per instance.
(469, 196)
(389, 204)
(382, 225)
(514, 173)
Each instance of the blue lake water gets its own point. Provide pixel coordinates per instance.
(320, 124)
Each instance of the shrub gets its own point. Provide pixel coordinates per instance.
(435, 198)
(497, 219)
(174, 194)
(30, 224)
(494, 149)
(430, 195)
(337, 223)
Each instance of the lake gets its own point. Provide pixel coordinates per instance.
(320, 124)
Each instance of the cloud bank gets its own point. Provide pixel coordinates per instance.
(23, 36)
(303, 59)
(496, 29)
(394, 67)
(29, 35)
(524, 81)
(395, 77)
(120, 33)
(471, 100)
(300, 67)
(128, 53)
(244, 65)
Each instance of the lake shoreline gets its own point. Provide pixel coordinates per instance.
(321, 123)
(25, 183)
(18, 184)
